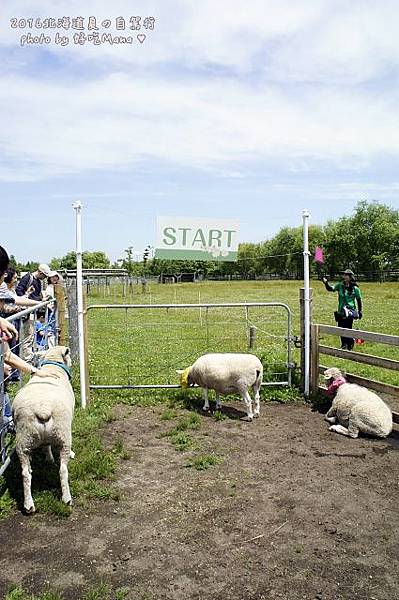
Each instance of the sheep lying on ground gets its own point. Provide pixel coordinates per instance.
(356, 408)
(226, 374)
(43, 411)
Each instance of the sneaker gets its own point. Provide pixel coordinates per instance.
(344, 347)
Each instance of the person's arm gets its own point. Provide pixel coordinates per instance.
(328, 287)
(25, 301)
(8, 308)
(16, 362)
(7, 329)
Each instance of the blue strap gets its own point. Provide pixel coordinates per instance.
(58, 364)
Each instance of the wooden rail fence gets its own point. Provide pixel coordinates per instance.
(386, 363)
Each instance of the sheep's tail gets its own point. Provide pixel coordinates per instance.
(43, 416)
(259, 377)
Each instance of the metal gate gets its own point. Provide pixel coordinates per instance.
(139, 346)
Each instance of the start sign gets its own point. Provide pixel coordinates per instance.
(186, 238)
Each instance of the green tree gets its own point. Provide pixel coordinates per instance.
(127, 261)
(90, 260)
(365, 242)
(248, 262)
(375, 228)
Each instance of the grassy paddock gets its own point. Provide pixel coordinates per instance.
(144, 346)
(147, 346)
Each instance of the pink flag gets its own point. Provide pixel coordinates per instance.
(318, 255)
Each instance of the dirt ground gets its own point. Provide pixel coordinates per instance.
(293, 511)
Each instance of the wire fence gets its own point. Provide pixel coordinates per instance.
(139, 346)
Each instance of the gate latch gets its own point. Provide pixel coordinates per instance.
(297, 341)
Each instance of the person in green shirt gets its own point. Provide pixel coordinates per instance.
(348, 296)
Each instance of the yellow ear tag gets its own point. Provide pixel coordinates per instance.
(184, 378)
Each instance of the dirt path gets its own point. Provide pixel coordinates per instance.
(292, 512)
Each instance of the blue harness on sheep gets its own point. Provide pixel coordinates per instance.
(58, 364)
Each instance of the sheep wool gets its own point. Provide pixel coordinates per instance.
(356, 409)
(43, 412)
(226, 374)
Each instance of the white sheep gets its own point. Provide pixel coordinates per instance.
(356, 408)
(226, 374)
(43, 412)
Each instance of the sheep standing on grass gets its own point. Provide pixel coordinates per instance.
(356, 408)
(226, 374)
(43, 412)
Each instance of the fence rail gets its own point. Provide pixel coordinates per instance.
(380, 338)
(368, 359)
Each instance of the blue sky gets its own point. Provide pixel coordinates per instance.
(250, 110)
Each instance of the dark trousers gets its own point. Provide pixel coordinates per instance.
(347, 323)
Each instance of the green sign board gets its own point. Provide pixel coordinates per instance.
(187, 238)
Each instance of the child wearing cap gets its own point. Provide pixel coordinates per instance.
(348, 296)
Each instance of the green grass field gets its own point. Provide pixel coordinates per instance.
(147, 346)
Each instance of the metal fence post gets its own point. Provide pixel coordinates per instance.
(314, 361)
(302, 330)
(79, 288)
(307, 320)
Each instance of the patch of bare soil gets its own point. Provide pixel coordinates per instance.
(293, 511)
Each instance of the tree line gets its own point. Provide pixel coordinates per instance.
(366, 241)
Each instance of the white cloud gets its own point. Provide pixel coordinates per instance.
(230, 33)
(308, 40)
(350, 44)
(129, 114)
(117, 121)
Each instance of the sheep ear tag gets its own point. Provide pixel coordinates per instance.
(184, 378)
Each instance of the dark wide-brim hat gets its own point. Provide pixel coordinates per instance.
(348, 272)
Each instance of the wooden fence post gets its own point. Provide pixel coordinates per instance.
(73, 321)
(302, 330)
(252, 336)
(314, 360)
(59, 293)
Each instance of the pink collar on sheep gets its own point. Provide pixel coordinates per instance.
(333, 387)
